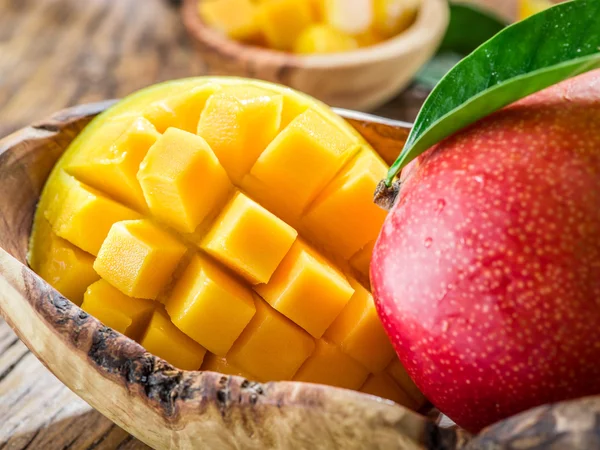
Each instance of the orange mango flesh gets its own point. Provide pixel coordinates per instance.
(310, 26)
(259, 278)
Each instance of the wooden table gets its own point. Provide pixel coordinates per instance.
(56, 53)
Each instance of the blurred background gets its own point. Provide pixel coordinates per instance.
(58, 53)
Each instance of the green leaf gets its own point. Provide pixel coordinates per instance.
(524, 58)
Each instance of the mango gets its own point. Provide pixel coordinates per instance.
(394, 16)
(329, 365)
(357, 330)
(303, 158)
(382, 385)
(124, 314)
(235, 18)
(307, 289)
(229, 228)
(67, 268)
(282, 21)
(166, 341)
(310, 26)
(138, 258)
(271, 347)
(178, 166)
(238, 123)
(113, 169)
(249, 239)
(322, 38)
(83, 215)
(210, 306)
(220, 364)
(344, 214)
(351, 19)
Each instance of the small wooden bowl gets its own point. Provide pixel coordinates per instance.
(362, 79)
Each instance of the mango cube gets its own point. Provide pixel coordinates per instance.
(399, 374)
(220, 364)
(83, 216)
(317, 7)
(359, 333)
(329, 365)
(382, 385)
(307, 289)
(351, 19)
(235, 18)
(361, 260)
(164, 340)
(321, 38)
(210, 306)
(249, 239)
(114, 309)
(65, 267)
(282, 21)
(271, 347)
(180, 111)
(344, 216)
(114, 171)
(176, 176)
(394, 16)
(303, 158)
(238, 124)
(138, 258)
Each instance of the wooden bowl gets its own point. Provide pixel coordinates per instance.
(362, 79)
(160, 405)
(172, 409)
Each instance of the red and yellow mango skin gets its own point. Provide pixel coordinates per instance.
(487, 271)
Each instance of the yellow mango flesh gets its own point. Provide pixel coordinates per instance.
(67, 268)
(220, 364)
(307, 289)
(310, 26)
(329, 365)
(238, 124)
(176, 168)
(383, 385)
(138, 258)
(394, 16)
(321, 38)
(236, 18)
(210, 306)
(398, 373)
(344, 210)
(357, 330)
(114, 309)
(166, 341)
(115, 167)
(351, 19)
(282, 21)
(249, 239)
(271, 347)
(231, 254)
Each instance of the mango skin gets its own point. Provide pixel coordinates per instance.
(487, 271)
